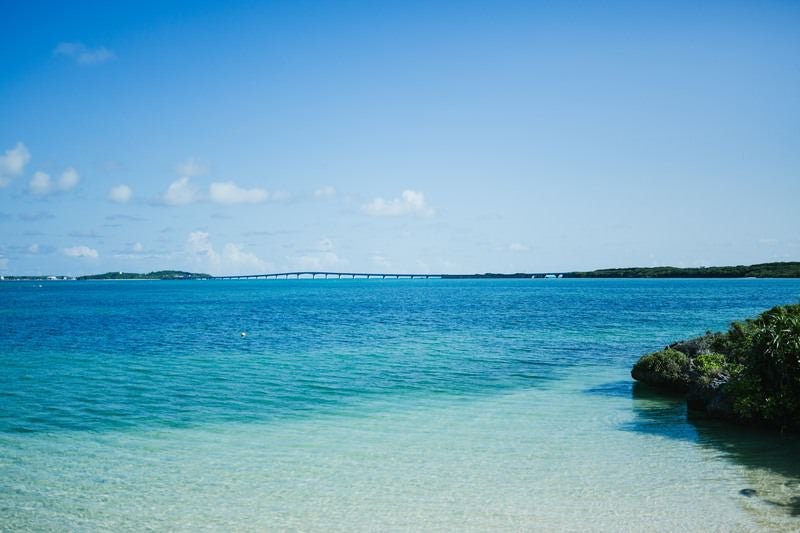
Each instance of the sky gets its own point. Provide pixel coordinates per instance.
(397, 136)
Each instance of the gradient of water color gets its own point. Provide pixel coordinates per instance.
(372, 405)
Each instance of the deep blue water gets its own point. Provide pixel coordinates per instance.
(108, 355)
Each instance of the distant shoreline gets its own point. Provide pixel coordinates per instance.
(761, 270)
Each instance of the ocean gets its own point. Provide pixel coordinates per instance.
(373, 405)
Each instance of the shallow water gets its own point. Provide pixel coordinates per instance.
(373, 405)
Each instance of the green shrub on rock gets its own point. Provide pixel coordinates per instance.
(768, 386)
(709, 364)
(750, 374)
(667, 368)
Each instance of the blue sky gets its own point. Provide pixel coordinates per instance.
(397, 136)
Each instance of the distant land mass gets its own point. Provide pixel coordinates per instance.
(761, 270)
(160, 274)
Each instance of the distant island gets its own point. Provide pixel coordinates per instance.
(160, 274)
(761, 270)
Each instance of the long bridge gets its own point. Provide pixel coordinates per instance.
(311, 274)
(326, 275)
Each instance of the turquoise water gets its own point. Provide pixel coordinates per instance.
(372, 405)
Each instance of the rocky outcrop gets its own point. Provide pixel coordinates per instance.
(697, 346)
(711, 398)
(691, 367)
(749, 374)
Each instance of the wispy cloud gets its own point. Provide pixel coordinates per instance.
(36, 217)
(381, 262)
(129, 218)
(84, 235)
(81, 251)
(136, 250)
(191, 168)
(409, 203)
(325, 192)
(84, 55)
(12, 163)
(228, 193)
(518, 247)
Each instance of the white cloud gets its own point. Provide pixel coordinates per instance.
(318, 261)
(232, 260)
(190, 168)
(3, 263)
(83, 55)
(410, 202)
(518, 247)
(321, 257)
(180, 192)
(68, 180)
(13, 162)
(41, 183)
(234, 257)
(137, 247)
(199, 245)
(325, 192)
(120, 194)
(33, 248)
(229, 193)
(81, 251)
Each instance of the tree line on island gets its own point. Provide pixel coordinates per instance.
(160, 274)
(761, 270)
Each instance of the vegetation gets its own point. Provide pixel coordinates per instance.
(709, 366)
(161, 274)
(764, 357)
(763, 270)
(753, 369)
(667, 368)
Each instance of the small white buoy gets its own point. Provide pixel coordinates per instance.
(243, 334)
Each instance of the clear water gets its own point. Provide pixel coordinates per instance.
(373, 405)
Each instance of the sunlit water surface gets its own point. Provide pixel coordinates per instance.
(373, 405)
